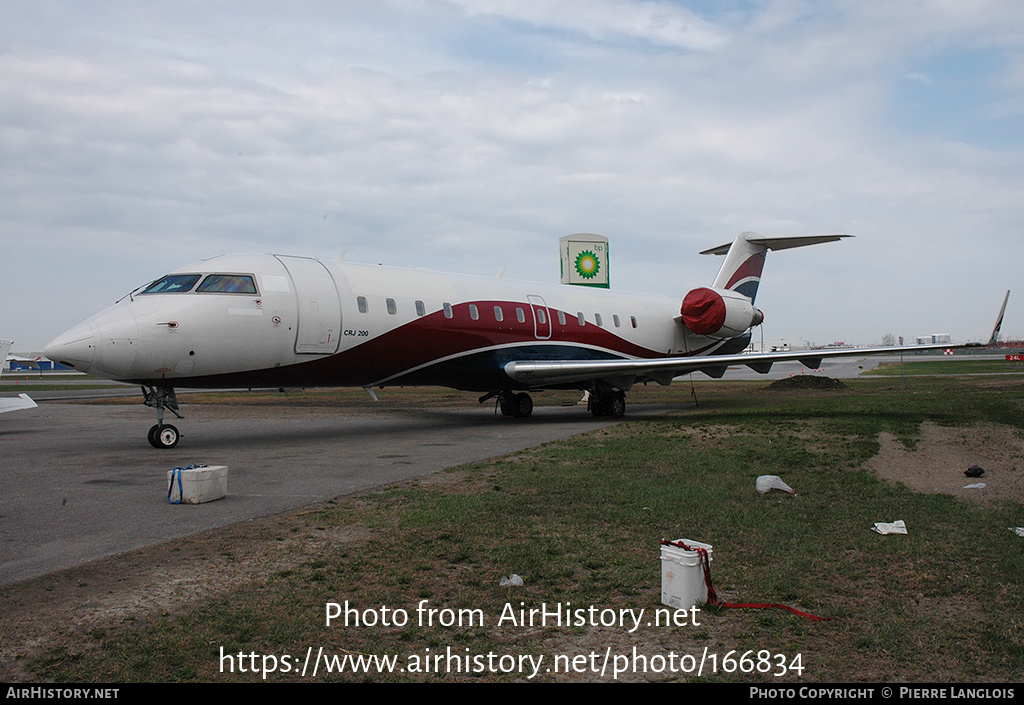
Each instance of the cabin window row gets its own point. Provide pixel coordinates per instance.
(362, 304)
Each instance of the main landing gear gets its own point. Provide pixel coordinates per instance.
(607, 404)
(162, 397)
(517, 404)
(520, 405)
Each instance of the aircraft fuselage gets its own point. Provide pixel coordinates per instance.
(309, 323)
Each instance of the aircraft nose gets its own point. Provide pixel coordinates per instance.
(74, 348)
(104, 345)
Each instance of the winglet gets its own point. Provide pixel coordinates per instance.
(999, 321)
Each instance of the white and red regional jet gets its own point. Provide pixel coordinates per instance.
(245, 321)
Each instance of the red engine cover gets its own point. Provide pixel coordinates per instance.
(703, 311)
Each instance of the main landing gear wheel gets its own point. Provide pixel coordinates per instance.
(522, 405)
(165, 436)
(519, 405)
(608, 405)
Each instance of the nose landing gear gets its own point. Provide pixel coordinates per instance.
(162, 397)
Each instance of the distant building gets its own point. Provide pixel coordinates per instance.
(933, 339)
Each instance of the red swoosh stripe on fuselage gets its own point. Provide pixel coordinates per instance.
(434, 350)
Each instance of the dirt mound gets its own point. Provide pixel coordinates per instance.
(806, 382)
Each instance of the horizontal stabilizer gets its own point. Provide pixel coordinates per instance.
(778, 243)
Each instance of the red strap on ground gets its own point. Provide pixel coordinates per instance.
(713, 596)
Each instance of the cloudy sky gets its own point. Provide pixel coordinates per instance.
(469, 135)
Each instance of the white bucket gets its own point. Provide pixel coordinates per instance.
(682, 575)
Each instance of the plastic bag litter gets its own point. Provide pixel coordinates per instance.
(511, 581)
(772, 482)
(1019, 530)
(975, 486)
(896, 527)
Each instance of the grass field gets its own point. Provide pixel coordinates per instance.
(954, 366)
(580, 520)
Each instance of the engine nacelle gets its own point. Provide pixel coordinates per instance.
(719, 313)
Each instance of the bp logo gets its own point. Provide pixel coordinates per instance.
(587, 264)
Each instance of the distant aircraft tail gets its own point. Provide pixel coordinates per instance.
(741, 271)
(5, 347)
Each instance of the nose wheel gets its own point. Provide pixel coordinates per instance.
(162, 397)
(165, 436)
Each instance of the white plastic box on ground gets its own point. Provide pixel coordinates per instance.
(682, 575)
(197, 485)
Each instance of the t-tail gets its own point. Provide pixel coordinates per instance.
(726, 309)
(741, 271)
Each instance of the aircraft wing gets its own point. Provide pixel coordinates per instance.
(622, 374)
(32, 362)
(22, 401)
(5, 347)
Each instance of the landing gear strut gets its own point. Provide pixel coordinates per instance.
(162, 397)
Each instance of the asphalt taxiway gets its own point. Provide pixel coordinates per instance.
(80, 482)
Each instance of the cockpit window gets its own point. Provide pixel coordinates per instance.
(172, 284)
(228, 284)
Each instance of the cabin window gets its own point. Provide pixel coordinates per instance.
(632, 319)
(498, 315)
(561, 318)
(392, 306)
(448, 313)
(474, 312)
(580, 318)
(361, 304)
(542, 317)
(421, 310)
(597, 319)
(172, 284)
(520, 316)
(615, 319)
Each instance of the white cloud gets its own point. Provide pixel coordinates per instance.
(471, 135)
(663, 24)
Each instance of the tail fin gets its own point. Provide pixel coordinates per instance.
(741, 271)
(5, 347)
